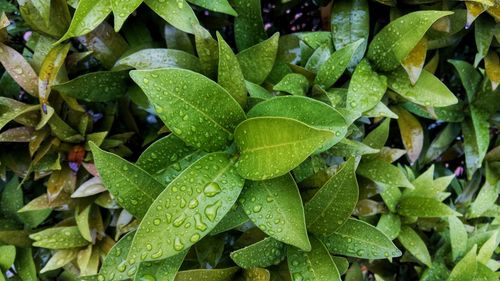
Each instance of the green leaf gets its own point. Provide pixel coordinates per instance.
(88, 15)
(469, 76)
(390, 225)
(207, 49)
(196, 109)
(12, 199)
(19, 69)
(230, 74)
(378, 137)
(223, 274)
(334, 203)
(256, 274)
(95, 86)
(350, 22)
(276, 208)
(458, 237)
(234, 218)
(485, 198)
(383, 173)
(282, 144)
(316, 265)
(49, 70)
(415, 245)
(257, 61)
(356, 238)
(396, 40)
(488, 249)
(122, 10)
(134, 189)
(159, 58)
(366, 88)
(412, 133)
(115, 265)
(294, 84)
(59, 259)
(319, 58)
(423, 207)
(428, 91)
(248, 25)
(176, 12)
(188, 209)
(483, 35)
(335, 66)
(25, 265)
(441, 142)
(54, 23)
(8, 256)
(219, 6)
(11, 109)
(160, 270)
(414, 62)
(465, 269)
(252, 255)
(347, 148)
(59, 238)
(484, 273)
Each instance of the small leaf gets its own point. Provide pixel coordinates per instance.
(356, 238)
(248, 25)
(366, 88)
(282, 215)
(12, 199)
(318, 58)
(95, 86)
(414, 62)
(8, 256)
(263, 157)
(230, 74)
(160, 270)
(469, 76)
(133, 188)
(415, 245)
(59, 259)
(257, 61)
(412, 133)
(196, 201)
(492, 66)
(428, 91)
(483, 32)
(465, 269)
(334, 203)
(195, 108)
(316, 265)
(458, 237)
(219, 6)
(488, 249)
(383, 173)
(49, 70)
(59, 238)
(378, 137)
(252, 255)
(423, 207)
(176, 12)
(122, 10)
(390, 225)
(396, 40)
(19, 69)
(294, 84)
(222, 274)
(159, 58)
(88, 15)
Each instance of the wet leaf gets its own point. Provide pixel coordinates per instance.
(282, 216)
(294, 84)
(50, 69)
(223, 274)
(159, 58)
(59, 238)
(458, 237)
(412, 133)
(8, 256)
(230, 76)
(201, 113)
(470, 77)
(356, 238)
(248, 25)
(483, 32)
(278, 137)
(492, 66)
(13, 110)
(207, 49)
(176, 12)
(160, 270)
(465, 269)
(59, 259)
(220, 6)
(390, 225)
(423, 207)
(252, 255)
(414, 62)
(53, 22)
(114, 265)
(204, 200)
(257, 61)
(96, 86)
(133, 188)
(396, 40)
(19, 69)
(383, 173)
(122, 10)
(234, 218)
(334, 203)
(316, 265)
(415, 245)
(365, 89)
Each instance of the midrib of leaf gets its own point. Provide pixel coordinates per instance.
(275, 145)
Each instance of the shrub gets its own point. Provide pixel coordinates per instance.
(195, 140)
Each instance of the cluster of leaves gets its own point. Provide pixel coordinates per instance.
(256, 157)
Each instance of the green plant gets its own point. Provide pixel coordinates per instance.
(278, 161)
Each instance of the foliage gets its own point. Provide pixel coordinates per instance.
(195, 140)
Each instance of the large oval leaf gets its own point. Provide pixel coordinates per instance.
(188, 209)
(134, 189)
(334, 203)
(272, 146)
(356, 238)
(395, 41)
(195, 108)
(276, 208)
(316, 265)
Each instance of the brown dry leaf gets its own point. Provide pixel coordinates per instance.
(415, 60)
(492, 67)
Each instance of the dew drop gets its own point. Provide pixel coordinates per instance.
(212, 189)
(178, 245)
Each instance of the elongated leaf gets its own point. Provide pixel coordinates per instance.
(223, 274)
(19, 69)
(483, 34)
(458, 237)
(159, 58)
(415, 245)
(383, 173)
(176, 12)
(428, 91)
(252, 255)
(230, 74)
(59, 238)
(160, 270)
(12, 110)
(49, 70)
(188, 209)
(276, 208)
(12, 199)
(365, 89)
(414, 62)
(396, 40)
(25, 265)
(59, 259)
(53, 22)
(257, 61)
(248, 25)
(333, 68)
(350, 22)
(115, 265)
(334, 203)
(423, 207)
(356, 238)
(196, 109)
(484, 273)
(207, 49)
(412, 133)
(469, 75)
(133, 188)
(8, 256)
(88, 15)
(316, 265)
(122, 10)
(492, 68)
(95, 86)
(465, 269)
(234, 218)
(390, 225)
(265, 141)
(220, 6)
